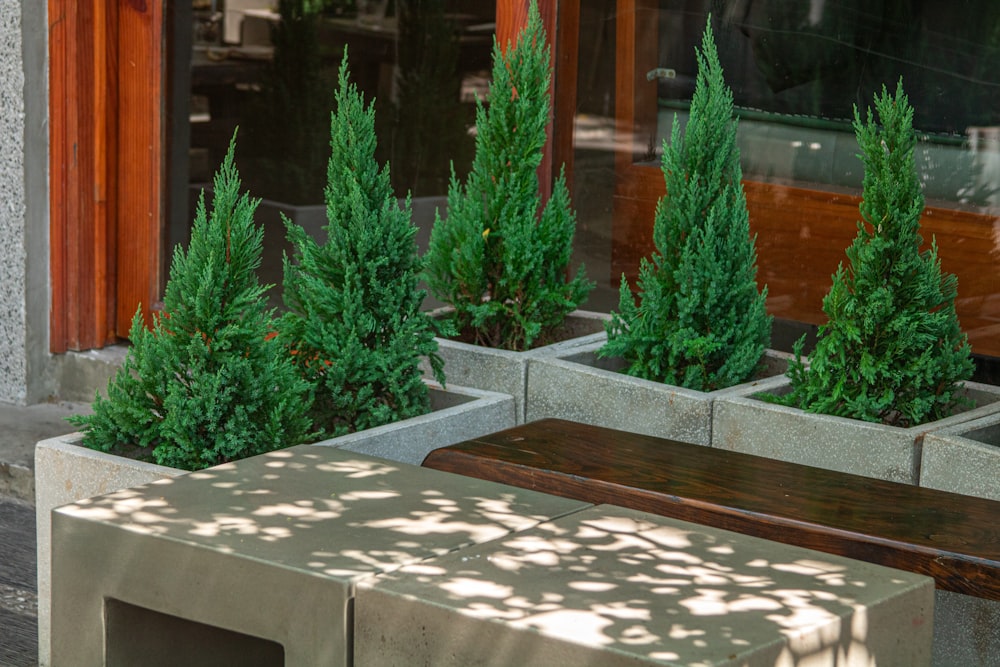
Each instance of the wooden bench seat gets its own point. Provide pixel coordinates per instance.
(953, 538)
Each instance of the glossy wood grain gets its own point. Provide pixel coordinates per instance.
(105, 77)
(953, 538)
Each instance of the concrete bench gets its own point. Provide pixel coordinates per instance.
(291, 558)
(953, 538)
(256, 562)
(614, 587)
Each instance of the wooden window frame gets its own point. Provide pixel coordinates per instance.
(105, 134)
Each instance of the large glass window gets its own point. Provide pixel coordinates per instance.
(797, 69)
(270, 67)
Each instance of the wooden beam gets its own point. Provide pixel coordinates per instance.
(79, 112)
(139, 172)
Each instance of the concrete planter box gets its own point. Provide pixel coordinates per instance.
(505, 371)
(743, 423)
(964, 458)
(66, 472)
(576, 385)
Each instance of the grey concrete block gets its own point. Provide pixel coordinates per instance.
(746, 424)
(505, 371)
(964, 459)
(577, 385)
(966, 631)
(608, 586)
(270, 548)
(65, 472)
(458, 414)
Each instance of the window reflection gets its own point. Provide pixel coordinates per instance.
(797, 69)
(270, 67)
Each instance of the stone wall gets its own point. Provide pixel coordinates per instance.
(24, 282)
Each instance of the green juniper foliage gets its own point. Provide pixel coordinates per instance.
(500, 264)
(891, 350)
(354, 319)
(209, 383)
(700, 321)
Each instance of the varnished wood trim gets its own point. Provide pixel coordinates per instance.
(79, 236)
(140, 150)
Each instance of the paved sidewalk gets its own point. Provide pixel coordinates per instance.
(18, 599)
(20, 429)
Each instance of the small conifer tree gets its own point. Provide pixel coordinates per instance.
(209, 383)
(495, 259)
(354, 319)
(891, 350)
(700, 321)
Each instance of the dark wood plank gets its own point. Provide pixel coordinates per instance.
(953, 538)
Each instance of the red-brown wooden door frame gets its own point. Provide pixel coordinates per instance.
(106, 138)
(105, 82)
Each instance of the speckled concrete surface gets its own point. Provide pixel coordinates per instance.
(964, 459)
(13, 307)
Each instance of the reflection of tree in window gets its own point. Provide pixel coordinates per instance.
(430, 121)
(798, 67)
(820, 57)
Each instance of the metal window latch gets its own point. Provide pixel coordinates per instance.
(661, 73)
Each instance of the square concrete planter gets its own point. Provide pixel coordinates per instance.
(66, 472)
(964, 458)
(577, 385)
(505, 371)
(744, 423)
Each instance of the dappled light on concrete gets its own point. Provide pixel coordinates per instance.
(611, 586)
(271, 547)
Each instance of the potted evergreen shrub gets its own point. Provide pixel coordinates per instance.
(213, 382)
(206, 385)
(354, 324)
(500, 257)
(700, 324)
(891, 363)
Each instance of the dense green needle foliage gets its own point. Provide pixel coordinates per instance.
(700, 321)
(495, 259)
(891, 350)
(209, 383)
(354, 319)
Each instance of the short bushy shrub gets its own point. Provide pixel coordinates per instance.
(209, 383)
(495, 259)
(700, 321)
(891, 350)
(354, 320)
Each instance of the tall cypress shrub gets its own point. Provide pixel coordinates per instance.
(700, 321)
(500, 258)
(891, 350)
(354, 320)
(208, 383)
